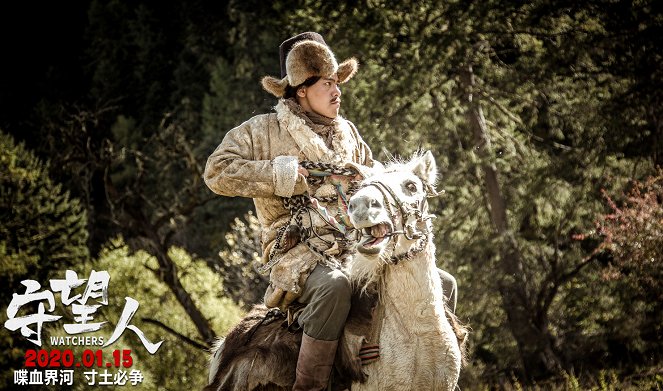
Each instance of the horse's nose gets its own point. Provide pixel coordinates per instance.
(363, 202)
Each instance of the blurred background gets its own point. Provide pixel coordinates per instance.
(544, 117)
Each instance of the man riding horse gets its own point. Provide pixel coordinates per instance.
(298, 164)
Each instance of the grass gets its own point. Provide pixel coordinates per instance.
(647, 379)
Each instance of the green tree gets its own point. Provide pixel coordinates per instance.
(632, 234)
(133, 154)
(180, 361)
(150, 186)
(239, 261)
(42, 230)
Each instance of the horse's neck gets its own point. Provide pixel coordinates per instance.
(412, 283)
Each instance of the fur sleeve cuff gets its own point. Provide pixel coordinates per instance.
(285, 175)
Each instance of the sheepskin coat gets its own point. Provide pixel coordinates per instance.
(259, 159)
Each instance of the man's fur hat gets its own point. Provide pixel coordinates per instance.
(303, 56)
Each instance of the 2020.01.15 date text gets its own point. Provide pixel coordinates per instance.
(66, 358)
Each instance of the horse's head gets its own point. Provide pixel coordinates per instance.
(390, 209)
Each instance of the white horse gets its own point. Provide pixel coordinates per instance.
(419, 349)
(420, 342)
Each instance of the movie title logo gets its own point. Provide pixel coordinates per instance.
(83, 298)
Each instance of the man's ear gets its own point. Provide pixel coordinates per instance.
(425, 168)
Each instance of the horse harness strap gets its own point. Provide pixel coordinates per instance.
(418, 210)
(300, 204)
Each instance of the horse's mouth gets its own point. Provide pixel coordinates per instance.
(374, 238)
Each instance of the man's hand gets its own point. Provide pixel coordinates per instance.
(301, 170)
(291, 238)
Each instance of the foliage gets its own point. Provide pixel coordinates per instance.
(633, 234)
(42, 226)
(42, 229)
(632, 239)
(132, 274)
(239, 261)
(602, 381)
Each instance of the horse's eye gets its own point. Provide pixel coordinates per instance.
(411, 187)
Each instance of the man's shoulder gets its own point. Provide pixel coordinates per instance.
(256, 122)
(261, 118)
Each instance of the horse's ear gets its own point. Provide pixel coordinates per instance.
(366, 171)
(425, 168)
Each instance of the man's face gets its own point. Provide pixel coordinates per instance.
(323, 97)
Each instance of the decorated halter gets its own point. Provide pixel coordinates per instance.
(412, 216)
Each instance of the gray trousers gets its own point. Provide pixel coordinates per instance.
(327, 294)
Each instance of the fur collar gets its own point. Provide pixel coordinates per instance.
(311, 144)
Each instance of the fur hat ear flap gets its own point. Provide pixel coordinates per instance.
(347, 69)
(275, 86)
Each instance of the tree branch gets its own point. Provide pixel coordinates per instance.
(570, 274)
(184, 338)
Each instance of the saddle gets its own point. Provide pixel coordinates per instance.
(269, 340)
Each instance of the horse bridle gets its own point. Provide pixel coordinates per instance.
(417, 209)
